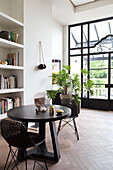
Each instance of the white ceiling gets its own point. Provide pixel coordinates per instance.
(81, 2)
(64, 12)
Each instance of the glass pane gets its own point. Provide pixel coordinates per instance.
(93, 36)
(97, 32)
(85, 51)
(74, 52)
(99, 76)
(75, 63)
(85, 62)
(85, 77)
(111, 76)
(102, 32)
(110, 22)
(72, 42)
(99, 92)
(111, 93)
(111, 60)
(94, 50)
(85, 35)
(99, 61)
(75, 37)
(84, 92)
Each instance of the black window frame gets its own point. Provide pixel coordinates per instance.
(82, 48)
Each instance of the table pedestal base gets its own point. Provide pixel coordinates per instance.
(53, 156)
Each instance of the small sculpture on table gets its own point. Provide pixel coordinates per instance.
(39, 100)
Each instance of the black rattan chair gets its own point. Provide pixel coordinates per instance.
(16, 135)
(75, 110)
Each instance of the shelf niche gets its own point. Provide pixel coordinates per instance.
(12, 8)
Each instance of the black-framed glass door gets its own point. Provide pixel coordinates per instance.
(101, 73)
(93, 45)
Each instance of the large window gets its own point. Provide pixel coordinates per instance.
(91, 48)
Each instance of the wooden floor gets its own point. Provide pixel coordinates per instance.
(94, 150)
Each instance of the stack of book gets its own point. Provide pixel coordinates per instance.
(9, 103)
(13, 59)
(8, 82)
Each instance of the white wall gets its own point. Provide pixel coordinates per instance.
(65, 45)
(57, 40)
(38, 27)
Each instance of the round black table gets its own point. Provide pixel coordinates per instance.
(28, 113)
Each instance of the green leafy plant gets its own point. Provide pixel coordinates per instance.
(51, 94)
(65, 81)
(62, 79)
(76, 87)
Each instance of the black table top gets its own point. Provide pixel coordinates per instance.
(28, 113)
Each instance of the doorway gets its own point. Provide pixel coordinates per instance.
(93, 45)
(101, 73)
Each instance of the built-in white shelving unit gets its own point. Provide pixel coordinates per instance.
(11, 19)
(8, 44)
(15, 90)
(9, 22)
(11, 67)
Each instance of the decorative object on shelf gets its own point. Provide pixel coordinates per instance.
(13, 58)
(5, 35)
(14, 36)
(42, 65)
(4, 62)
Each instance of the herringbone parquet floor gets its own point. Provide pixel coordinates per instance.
(94, 150)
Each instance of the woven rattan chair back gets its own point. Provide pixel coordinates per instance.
(14, 133)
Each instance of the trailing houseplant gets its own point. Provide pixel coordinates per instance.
(69, 86)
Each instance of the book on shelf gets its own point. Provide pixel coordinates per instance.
(5, 106)
(0, 109)
(17, 102)
(8, 103)
(2, 106)
(12, 82)
(13, 58)
(8, 82)
(2, 82)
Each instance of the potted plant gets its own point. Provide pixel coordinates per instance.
(69, 86)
